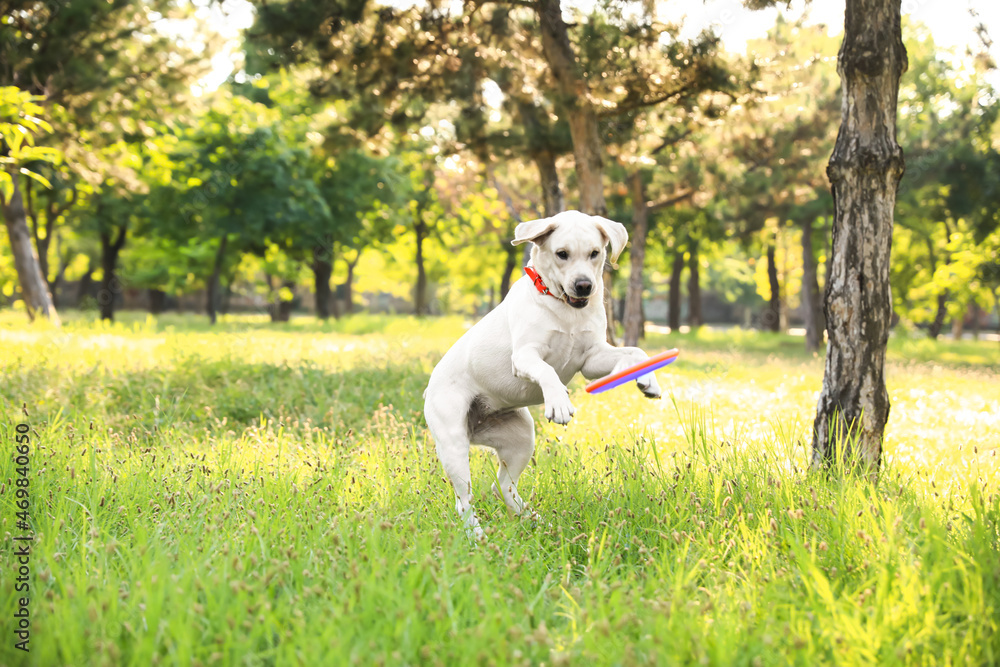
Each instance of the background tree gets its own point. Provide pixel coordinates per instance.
(776, 138)
(19, 122)
(108, 65)
(949, 196)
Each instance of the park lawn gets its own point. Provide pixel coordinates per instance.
(266, 494)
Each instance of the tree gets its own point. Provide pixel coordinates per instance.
(247, 182)
(864, 171)
(109, 69)
(20, 120)
(948, 198)
(641, 83)
(775, 139)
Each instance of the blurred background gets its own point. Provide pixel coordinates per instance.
(299, 158)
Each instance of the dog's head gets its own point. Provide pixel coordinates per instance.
(568, 252)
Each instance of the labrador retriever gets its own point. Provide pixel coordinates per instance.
(549, 327)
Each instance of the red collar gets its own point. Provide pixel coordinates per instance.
(537, 281)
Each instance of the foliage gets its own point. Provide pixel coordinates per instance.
(21, 118)
(948, 196)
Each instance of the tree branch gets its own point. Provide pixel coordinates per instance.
(673, 141)
(650, 102)
(119, 242)
(675, 198)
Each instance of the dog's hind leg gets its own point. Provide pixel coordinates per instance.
(447, 418)
(512, 435)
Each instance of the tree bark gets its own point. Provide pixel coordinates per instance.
(674, 315)
(633, 315)
(773, 316)
(934, 331)
(573, 100)
(157, 301)
(420, 293)
(942, 299)
(694, 287)
(509, 266)
(322, 267)
(86, 283)
(349, 284)
(34, 290)
(281, 309)
(811, 302)
(553, 200)
(111, 286)
(55, 285)
(864, 171)
(212, 292)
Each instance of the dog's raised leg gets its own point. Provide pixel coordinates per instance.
(449, 429)
(512, 436)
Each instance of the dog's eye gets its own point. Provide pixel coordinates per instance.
(562, 254)
(594, 254)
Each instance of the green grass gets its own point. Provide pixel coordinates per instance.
(261, 494)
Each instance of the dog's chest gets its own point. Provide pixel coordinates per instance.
(567, 351)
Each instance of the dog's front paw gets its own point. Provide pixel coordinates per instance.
(648, 386)
(558, 409)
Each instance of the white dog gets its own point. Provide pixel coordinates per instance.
(549, 327)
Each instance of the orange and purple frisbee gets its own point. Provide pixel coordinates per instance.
(632, 372)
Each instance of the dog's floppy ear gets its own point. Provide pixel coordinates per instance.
(532, 230)
(616, 234)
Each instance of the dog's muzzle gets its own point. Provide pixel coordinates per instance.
(576, 302)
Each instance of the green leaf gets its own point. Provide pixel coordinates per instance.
(36, 176)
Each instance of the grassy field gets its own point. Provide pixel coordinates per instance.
(261, 494)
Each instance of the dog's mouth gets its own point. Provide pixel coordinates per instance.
(576, 302)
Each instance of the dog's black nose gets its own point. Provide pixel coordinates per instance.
(583, 287)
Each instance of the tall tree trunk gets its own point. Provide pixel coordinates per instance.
(573, 98)
(633, 315)
(349, 284)
(34, 290)
(212, 292)
(55, 285)
(942, 299)
(41, 242)
(509, 267)
(773, 316)
(322, 267)
(86, 283)
(674, 314)
(157, 301)
(543, 156)
(553, 199)
(281, 309)
(694, 287)
(864, 173)
(111, 286)
(811, 302)
(420, 293)
(939, 316)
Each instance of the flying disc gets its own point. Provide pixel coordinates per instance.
(632, 372)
